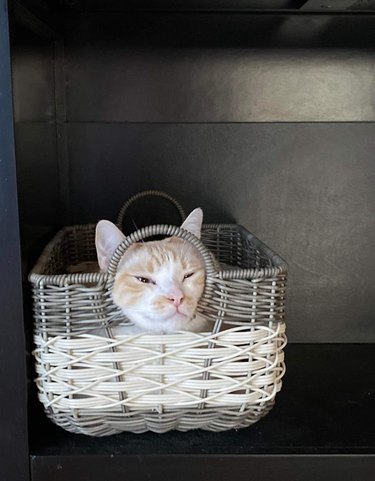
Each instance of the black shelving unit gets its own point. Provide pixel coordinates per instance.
(261, 112)
(321, 426)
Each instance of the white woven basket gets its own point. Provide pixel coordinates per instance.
(104, 384)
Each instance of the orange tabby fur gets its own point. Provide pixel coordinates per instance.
(159, 283)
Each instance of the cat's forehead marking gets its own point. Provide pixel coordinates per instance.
(161, 252)
(150, 266)
(161, 257)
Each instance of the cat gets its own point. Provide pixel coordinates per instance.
(158, 283)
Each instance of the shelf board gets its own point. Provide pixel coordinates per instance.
(219, 5)
(325, 411)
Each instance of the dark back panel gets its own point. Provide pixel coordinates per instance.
(220, 68)
(195, 85)
(304, 189)
(36, 143)
(13, 421)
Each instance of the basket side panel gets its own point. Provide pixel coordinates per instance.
(243, 301)
(70, 309)
(84, 379)
(71, 246)
(234, 246)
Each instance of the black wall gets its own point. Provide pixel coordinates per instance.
(265, 120)
(230, 113)
(305, 189)
(33, 72)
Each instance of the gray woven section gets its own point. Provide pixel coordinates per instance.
(100, 385)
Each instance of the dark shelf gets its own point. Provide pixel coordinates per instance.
(277, 92)
(322, 424)
(218, 5)
(326, 408)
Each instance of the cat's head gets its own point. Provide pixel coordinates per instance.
(159, 283)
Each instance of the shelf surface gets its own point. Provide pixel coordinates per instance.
(323, 6)
(326, 407)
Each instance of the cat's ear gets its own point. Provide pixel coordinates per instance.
(193, 222)
(107, 238)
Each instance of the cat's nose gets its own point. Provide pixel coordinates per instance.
(176, 299)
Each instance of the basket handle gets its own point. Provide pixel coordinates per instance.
(168, 230)
(149, 193)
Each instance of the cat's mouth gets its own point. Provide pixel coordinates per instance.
(177, 313)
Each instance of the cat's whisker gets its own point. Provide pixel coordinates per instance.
(136, 228)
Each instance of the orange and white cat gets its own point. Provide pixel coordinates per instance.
(159, 283)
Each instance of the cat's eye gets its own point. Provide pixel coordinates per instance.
(188, 275)
(145, 280)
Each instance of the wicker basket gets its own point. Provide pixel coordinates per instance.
(103, 384)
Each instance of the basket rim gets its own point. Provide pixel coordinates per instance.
(37, 278)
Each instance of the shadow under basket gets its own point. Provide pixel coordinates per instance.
(93, 382)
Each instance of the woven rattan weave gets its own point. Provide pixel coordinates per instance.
(95, 383)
